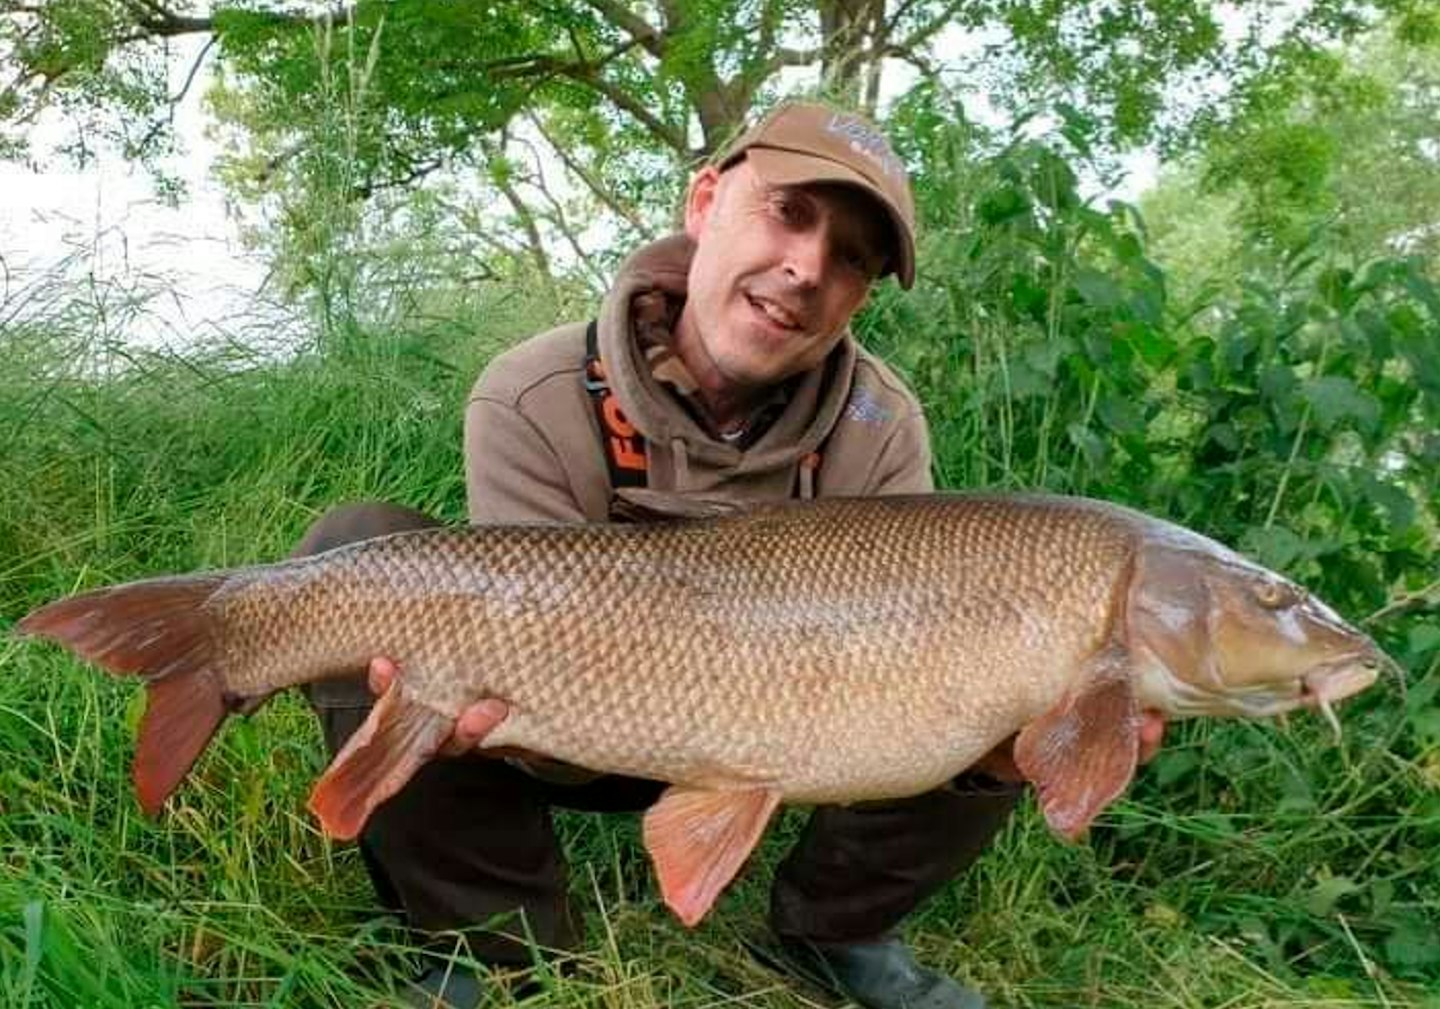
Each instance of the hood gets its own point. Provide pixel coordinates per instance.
(812, 411)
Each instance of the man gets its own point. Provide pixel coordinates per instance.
(721, 363)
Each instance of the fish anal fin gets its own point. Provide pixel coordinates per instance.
(397, 738)
(183, 711)
(640, 504)
(1081, 754)
(699, 839)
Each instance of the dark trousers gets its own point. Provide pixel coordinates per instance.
(469, 841)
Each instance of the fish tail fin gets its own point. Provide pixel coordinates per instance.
(397, 738)
(158, 629)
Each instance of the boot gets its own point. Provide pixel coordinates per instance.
(876, 975)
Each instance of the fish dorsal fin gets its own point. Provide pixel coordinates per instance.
(699, 838)
(1081, 754)
(395, 740)
(638, 504)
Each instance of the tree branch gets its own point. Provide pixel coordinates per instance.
(913, 58)
(900, 11)
(770, 14)
(194, 69)
(918, 37)
(558, 218)
(629, 103)
(154, 20)
(417, 172)
(874, 65)
(601, 192)
(157, 20)
(784, 57)
(640, 30)
(522, 211)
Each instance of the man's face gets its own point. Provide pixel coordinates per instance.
(778, 271)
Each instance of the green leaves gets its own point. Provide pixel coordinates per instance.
(1323, 897)
(1335, 399)
(1413, 943)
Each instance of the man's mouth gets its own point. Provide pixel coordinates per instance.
(776, 314)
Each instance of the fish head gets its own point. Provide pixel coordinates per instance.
(1229, 637)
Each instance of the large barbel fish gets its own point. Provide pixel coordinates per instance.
(827, 652)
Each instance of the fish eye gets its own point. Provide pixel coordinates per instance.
(1275, 595)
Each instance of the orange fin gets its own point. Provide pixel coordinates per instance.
(699, 839)
(183, 711)
(154, 628)
(397, 738)
(159, 629)
(1081, 754)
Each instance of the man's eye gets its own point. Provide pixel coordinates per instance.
(858, 261)
(791, 210)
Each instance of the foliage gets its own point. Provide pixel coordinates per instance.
(1344, 156)
(609, 97)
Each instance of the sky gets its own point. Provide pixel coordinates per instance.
(105, 221)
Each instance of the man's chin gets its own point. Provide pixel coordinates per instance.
(741, 376)
(747, 361)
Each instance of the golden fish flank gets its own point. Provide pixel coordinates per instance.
(832, 651)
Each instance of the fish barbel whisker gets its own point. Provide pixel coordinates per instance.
(1323, 704)
(1338, 681)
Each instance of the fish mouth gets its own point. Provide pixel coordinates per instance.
(1322, 687)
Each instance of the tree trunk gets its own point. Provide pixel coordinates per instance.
(847, 36)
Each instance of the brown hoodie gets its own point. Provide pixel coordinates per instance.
(532, 442)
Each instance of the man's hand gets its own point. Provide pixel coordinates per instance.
(474, 723)
(999, 763)
(1152, 734)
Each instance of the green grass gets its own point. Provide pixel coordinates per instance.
(1251, 866)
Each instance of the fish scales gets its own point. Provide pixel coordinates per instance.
(840, 652)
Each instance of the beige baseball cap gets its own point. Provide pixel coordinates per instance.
(804, 142)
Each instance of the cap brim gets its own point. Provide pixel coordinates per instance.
(793, 168)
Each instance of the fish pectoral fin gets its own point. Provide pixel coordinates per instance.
(699, 838)
(397, 738)
(639, 504)
(1081, 754)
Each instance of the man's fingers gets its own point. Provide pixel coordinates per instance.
(475, 723)
(1152, 733)
(382, 674)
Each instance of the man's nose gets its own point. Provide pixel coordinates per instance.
(805, 257)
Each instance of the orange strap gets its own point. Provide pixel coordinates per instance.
(623, 445)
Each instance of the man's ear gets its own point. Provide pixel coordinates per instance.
(699, 198)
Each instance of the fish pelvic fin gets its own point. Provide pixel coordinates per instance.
(699, 839)
(394, 742)
(1081, 754)
(159, 629)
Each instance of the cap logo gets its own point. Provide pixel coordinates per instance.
(865, 139)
